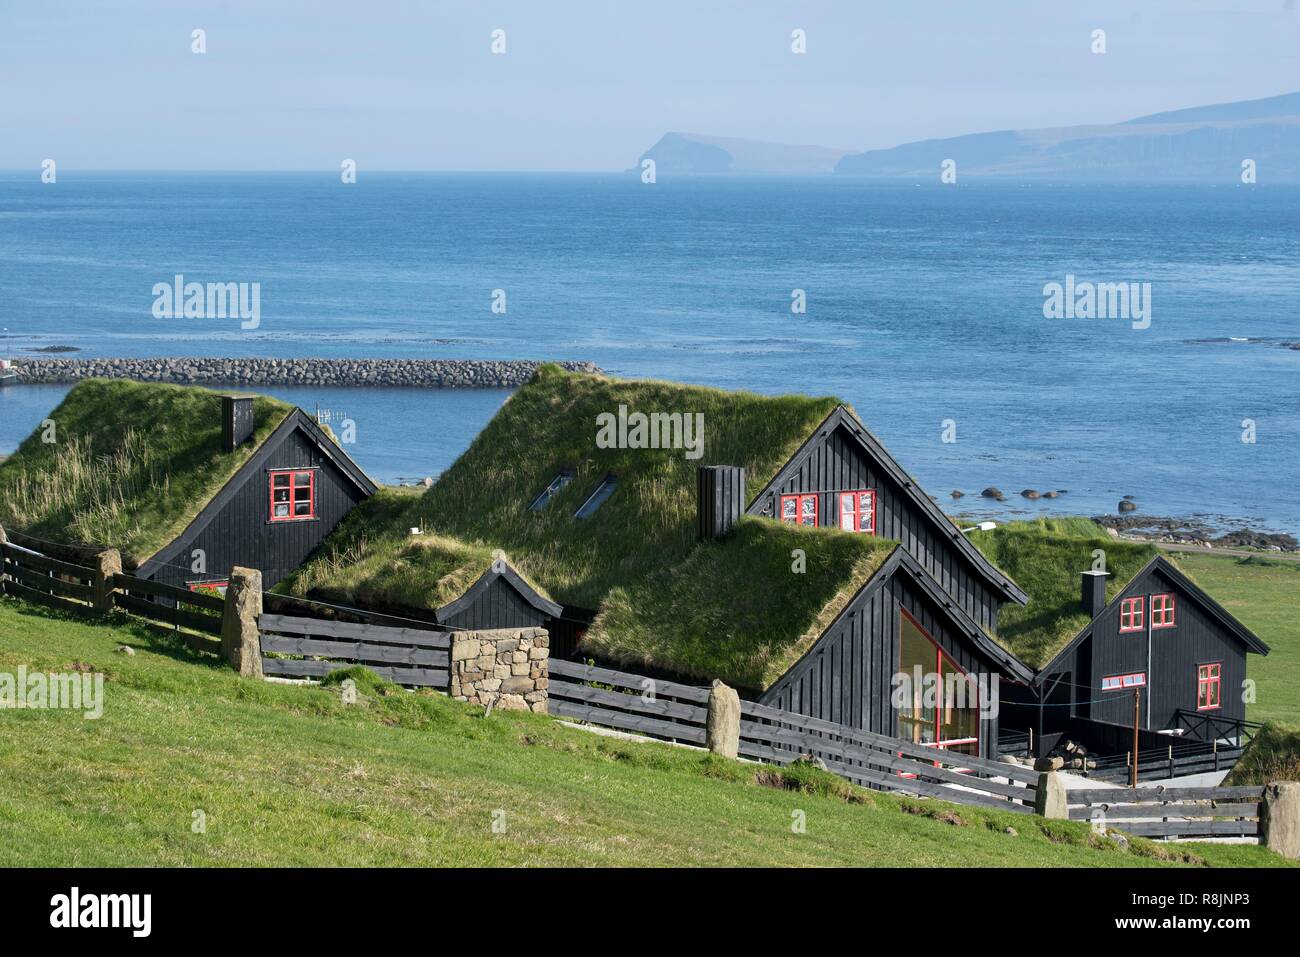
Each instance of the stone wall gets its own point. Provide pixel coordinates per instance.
(506, 668)
(413, 373)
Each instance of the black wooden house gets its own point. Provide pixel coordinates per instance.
(295, 487)
(1162, 647)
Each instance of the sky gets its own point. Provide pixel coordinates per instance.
(297, 85)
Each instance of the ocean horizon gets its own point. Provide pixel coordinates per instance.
(924, 310)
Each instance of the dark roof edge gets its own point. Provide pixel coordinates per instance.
(841, 415)
(295, 418)
(500, 569)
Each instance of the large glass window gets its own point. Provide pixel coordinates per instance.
(1209, 687)
(293, 495)
(942, 715)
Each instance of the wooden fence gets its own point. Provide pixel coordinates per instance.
(46, 580)
(675, 712)
(172, 606)
(405, 656)
(1172, 812)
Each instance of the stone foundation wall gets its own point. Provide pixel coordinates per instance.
(507, 668)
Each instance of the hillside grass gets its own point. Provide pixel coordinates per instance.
(131, 465)
(549, 424)
(737, 609)
(1046, 557)
(289, 776)
(1272, 755)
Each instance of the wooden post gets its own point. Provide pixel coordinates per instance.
(1171, 760)
(106, 565)
(1137, 710)
(241, 643)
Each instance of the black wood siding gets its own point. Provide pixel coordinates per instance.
(241, 533)
(1195, 639)
(498, 606)
(846, 677)
(838, 463)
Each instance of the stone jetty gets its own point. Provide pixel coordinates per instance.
(412, 373)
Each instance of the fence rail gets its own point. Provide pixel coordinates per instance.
(1172, 812)
(174, 609)
(405, 656)
(49, 581)
(676, 712)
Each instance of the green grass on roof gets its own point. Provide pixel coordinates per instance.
(1272, 755)
(550, 424)
(1045, 557)
(736, 609)
(373, 557)
(132, 464)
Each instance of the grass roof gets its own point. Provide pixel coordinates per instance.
(1046, 556)
(737, 609)
(131, 465)
(550, 424)
(373, 556)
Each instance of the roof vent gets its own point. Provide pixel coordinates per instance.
(597, 498)
(236, 421)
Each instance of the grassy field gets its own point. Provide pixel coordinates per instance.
(1265, 596)
(288, 775)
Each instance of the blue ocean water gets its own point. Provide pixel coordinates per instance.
(924, 304)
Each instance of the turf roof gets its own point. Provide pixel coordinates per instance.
(131, 466)
(736, 609)
(1046, 557)
(550, 424)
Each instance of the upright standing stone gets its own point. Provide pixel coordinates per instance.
(241, 645)
(106, 564)
(1279, 818)
(1049, 798)
(722, 729)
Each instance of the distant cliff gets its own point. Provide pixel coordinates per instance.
(689, 153)
(1204, 143)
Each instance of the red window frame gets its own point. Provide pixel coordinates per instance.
(1209, 686)
(207, 586)
(861, 511)
(1136, 679)
(290, 478)
(1162, 610)
(1131, 613)
(941, 657)
(799, 499)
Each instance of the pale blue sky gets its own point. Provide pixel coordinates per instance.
(292, 84)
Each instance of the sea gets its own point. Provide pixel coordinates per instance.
(921, 305)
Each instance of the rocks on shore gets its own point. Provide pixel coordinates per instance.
(414, 373)
(1127, 505)
(993, 492)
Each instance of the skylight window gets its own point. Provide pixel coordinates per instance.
(597, 498)
(562, 478)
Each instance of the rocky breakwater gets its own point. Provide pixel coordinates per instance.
(410, 373)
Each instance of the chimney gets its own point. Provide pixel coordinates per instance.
(720, 500)
(1094, 592)
(236, 421)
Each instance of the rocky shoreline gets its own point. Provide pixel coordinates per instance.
(404, 373)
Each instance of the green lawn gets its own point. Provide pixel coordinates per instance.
(288, 775)
(1265, 595)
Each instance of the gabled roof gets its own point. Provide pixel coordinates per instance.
(261, 458)
(501, 570)
(1191, 590)
(131, 464)
(551, 423)
(842, 418)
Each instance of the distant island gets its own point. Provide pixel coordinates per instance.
(1204, 143)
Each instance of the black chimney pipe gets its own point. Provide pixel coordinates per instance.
(1094, 592)
(720, 501)
(236, 421)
